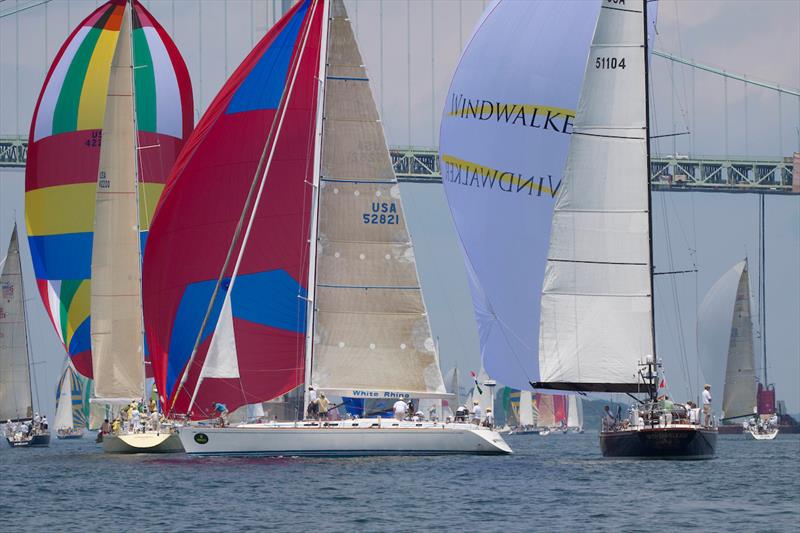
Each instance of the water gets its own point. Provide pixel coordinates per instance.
(554, 483)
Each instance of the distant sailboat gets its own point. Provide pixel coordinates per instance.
(314, 281)
(16, 398)
(70, 419)
(597, 330)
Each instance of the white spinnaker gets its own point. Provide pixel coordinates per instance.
(63, 418)
(15, 380)
(725, 342)
(371, 330)
(503, 142)
(596, 323)
(546, 411)
(116, 299)
(525, 408)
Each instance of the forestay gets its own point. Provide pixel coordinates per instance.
(15, 381)
(596, 321)
(371, 332)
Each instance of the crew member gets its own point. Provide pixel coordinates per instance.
(221, 411)
(489, 421)
(609, 420)
(477, 412)
(400, 408)
(323, 405)
(707, 405)
(312, 411)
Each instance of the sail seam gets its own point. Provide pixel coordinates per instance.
(596, 262)
(608, 136)
(604, 295)
(620, 9)
(403, 288)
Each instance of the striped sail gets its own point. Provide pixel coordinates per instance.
(15, 382)
(372, 337)
(258, 319)
(64, 153)
(116, 331)
(71, 404)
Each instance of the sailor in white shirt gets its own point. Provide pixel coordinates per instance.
(477, 413)
(707, 405)
(400, 408)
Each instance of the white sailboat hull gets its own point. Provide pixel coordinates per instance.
(148, 442)
(346, 438)
(767, 435)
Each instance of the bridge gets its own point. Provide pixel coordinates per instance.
(668, 172)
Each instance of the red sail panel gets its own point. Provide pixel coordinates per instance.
(196, 219)
(64, 154)
(560, 409)
(766, 400)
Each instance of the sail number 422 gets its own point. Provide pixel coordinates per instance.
(609, 63)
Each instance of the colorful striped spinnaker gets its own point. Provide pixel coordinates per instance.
(197, 218)
(64, 151)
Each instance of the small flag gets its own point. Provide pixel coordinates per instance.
(477, 385)
(663, 384)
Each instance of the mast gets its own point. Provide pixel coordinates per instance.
(312, 239)
(652, 390)
(762, 294)
(136, 189)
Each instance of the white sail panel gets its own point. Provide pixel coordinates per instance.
(725, 342)
(221, 360)
(546, 411)
(371, 331)
(116, 302)
(575, 412)
(525, 408)
(596, 321)
(503, 145)
(63, 418)
(739, 398)
(15, 381)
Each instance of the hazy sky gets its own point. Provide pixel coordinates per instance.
(411, 48)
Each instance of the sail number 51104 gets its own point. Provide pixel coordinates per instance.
(609, 63)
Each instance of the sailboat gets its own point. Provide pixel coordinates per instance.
(526, 422)
(575, 414)
(294, 263)
(70, 419)
(16, 398)
(597, 331)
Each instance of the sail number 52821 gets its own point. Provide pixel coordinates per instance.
(609, 63)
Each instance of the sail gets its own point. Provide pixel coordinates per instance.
(371, 331)
(116, 331)
(503, 142)
(596, 320)
(725, 342)
(575, 412)
(15, 381)
(525, 408)
(64, 153)
(263, 354)
(545, 409)
(63, 418)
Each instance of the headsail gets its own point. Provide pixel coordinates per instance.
(725, 342)
(371, 331)
(503, 146)
(64, 153)
(526, 408)
(196, 220)
(596, 321)
(575, 412)
(15, 382)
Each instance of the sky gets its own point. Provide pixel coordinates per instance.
(410, 48)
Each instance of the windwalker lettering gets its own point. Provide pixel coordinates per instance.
(524, 115)
(470, 174)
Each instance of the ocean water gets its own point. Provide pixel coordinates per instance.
(553, 483)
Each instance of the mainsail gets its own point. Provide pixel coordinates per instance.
(264, 324)
(725, 341)
(371, 330)
(64, 145)
(505, 131)
(116, 331)
(596, 320)
(70, 407)
(16, 401)
(526, 408)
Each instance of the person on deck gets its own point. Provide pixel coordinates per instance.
(323, 404)
(221, 412)
(105, 428)
(609, 420)
(477, 413)
(155, 421)
(44, 422)
(400, 409)
(707, 405)
(136, 420)
(312, 411)
(461, 413)
(489, 421)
